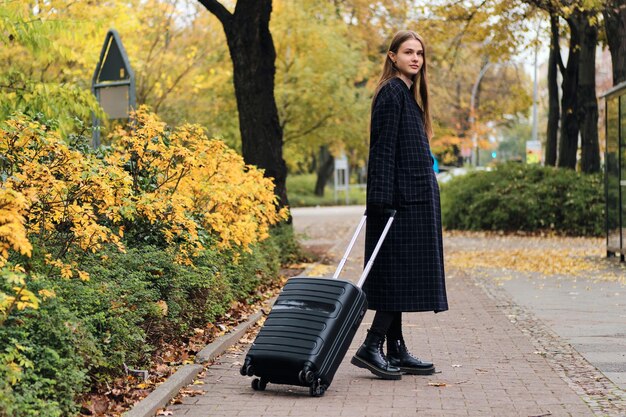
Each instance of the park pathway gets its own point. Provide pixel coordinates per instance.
(488, 363)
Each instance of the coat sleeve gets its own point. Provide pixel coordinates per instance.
(383, 138)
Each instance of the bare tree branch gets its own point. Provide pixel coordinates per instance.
(458, 39)
(218, 10)
(312, 128)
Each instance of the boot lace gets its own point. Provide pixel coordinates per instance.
(381, 350)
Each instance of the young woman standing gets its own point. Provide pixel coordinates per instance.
(408, 274)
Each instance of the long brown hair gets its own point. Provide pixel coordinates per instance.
(389, 71)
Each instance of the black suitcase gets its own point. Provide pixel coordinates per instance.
(310, 328)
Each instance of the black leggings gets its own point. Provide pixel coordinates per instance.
(388, 323)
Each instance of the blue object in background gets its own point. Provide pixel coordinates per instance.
(435, 163)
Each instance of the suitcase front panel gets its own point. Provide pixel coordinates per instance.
(311, 324)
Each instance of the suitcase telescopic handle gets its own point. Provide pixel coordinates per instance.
(376, 249)
(349, 249)
(370, 262)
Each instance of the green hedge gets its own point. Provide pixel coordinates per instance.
(86, 334)
(516, 197)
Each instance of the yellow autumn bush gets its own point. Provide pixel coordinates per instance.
(186, 182)
(182, 184)
(12, 230)
(13, 237)
(73, 200)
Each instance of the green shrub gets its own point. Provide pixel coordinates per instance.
(515, 197)
(57, 346)
(117, 305)
(119, 316)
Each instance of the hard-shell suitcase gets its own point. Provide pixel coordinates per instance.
(309, 329)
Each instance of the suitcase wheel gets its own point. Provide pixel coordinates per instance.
(317, 389)
(259, 384)
(246, 368)
(306, 376)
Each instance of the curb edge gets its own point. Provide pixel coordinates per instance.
(164, 392)
(219, 345)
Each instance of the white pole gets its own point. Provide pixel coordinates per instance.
(535, 91)
(472, 118)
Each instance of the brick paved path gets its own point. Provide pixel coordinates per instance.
(488, 366)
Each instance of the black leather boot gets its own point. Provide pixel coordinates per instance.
(399, 356)
(371, 356)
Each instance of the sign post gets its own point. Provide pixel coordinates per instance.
(342, 177)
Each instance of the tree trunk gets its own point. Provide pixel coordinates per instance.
(553, 93)
(253, 55)
(325, 168)
(587, 101)
(568, 140)
(615, 26)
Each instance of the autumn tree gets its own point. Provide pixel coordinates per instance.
(177, 51)
(579, 109)
(322, 112)
(31, 79)
(253, 56)
(614, 13)
(373, 26)
(474, 77)
(579, 106)
(586, 97)
(554, 110)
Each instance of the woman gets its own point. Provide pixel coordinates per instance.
(408, 274)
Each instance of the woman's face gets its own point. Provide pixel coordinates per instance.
(409, 59)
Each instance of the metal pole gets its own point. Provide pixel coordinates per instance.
(472, 118)
(95, 133)
(347, 171)
(535, 91)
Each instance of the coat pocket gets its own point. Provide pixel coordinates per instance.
(415, 186)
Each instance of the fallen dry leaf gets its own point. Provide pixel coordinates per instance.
(437, 384)
(188, 392)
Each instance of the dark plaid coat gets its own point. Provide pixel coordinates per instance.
(408, 273)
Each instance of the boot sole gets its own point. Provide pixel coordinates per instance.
(376, 371)
(413, 371)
